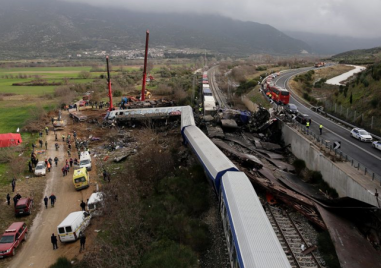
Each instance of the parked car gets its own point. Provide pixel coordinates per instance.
(82, 103)
(24, 206)
(376, 144)
(361, 135)
(12, 238)
(40, 169)
(291, 108)
(303, 118)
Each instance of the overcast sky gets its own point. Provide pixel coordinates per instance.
(342, 17)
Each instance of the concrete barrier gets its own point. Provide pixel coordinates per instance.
(340, 176)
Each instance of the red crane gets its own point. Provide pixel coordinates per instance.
(145, 69)
(109, 86)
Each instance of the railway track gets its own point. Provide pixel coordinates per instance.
(291, 239)
(218, 95)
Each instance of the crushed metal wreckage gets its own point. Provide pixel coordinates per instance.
(249, 147)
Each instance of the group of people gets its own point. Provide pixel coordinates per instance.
(52, 198)
(49, 163)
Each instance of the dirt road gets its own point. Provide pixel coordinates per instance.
(38, 251)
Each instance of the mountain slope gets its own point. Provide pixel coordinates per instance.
(51, 27)
(359, 56)
(325, 44)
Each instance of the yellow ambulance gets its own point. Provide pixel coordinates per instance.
(81, 178)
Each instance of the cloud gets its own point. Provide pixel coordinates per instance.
(339, 17)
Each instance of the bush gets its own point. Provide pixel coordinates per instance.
(166, 254)
(62, 262)
(327, 250)
(84, 75)
(299, 165)
(374, 102)
(365, 82)
(117, 93)
(316, 177)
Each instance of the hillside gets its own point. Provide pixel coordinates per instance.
(359, 56)
(325, 44)
(35, 28)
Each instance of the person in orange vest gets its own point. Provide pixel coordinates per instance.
(48, 165)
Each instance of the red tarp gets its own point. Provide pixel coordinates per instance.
(10, 139)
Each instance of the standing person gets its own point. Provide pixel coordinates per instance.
(48, 166)
(30, 166)
(40, 133)
(50, 160)
(82, 241)
(71, 162)
(15, 200)
(307, 125)
(46, 199)
(47, 130)
(321, 128)
(56, 139)
(46, 145)
(13, 184)
(63, 137)
(52, 200)
(83, 206)
(56, 160)
(8, 199)
(53, 239)
(68, 153)
(63, 172)
(75, 134)
(104, 175)
(40, 142)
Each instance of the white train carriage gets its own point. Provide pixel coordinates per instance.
(209, 104)
(250, 238)
(215, 163)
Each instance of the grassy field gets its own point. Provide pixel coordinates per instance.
(19, 103)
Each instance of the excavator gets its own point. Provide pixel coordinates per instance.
(58, 122)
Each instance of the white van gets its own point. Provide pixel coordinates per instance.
(72, 225)
(95, 204)
(85, 160)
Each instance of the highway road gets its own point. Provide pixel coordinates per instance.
(359, 151)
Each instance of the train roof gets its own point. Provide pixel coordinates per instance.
(258, 245)
(215, 162)
(206, 90)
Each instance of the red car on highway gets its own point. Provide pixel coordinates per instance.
(12, 238)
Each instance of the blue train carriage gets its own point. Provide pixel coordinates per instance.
(215, 163)
(250, 238)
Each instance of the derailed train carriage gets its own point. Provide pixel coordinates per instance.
(250, 238)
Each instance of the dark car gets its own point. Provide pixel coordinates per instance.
(303, 118)
(291, 108)
(24, 206)
(12, 238)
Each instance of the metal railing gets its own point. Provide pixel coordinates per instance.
(317, 139)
